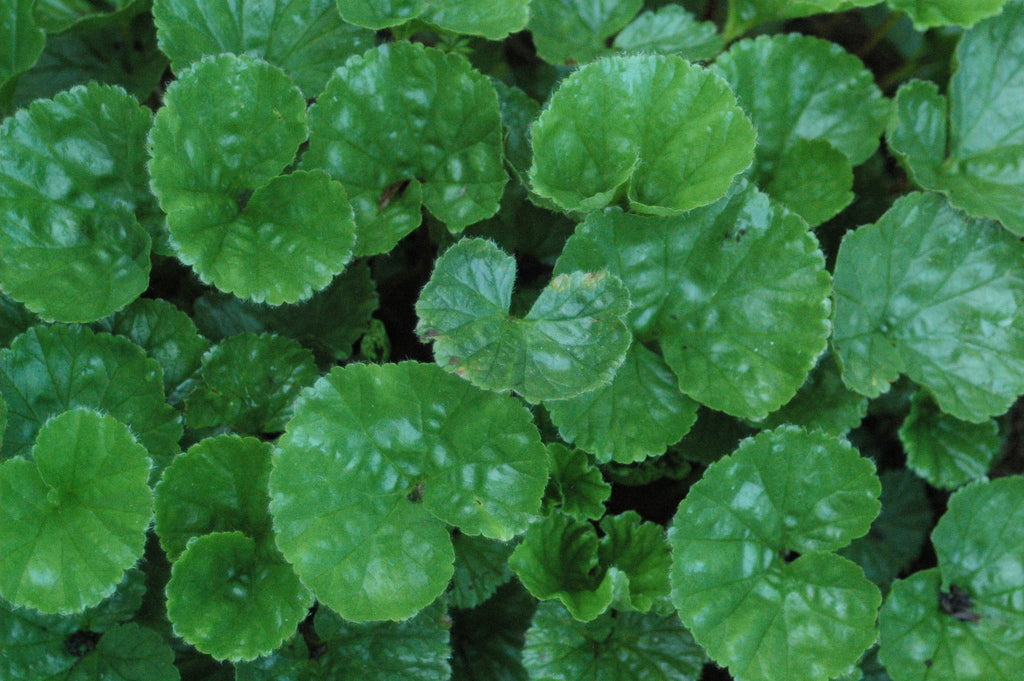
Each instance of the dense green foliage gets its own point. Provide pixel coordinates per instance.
(511, 340)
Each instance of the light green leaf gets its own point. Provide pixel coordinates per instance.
(492, 19)
(481, 566)
(249, 382)
(636, 416)
(232, 217)
(49, 370)
(976, 155)
(304, 38)
(572, 340)
(616, 647)
(167, 334)
(658, 132)
(21, 41)
(944, 450)
(898, 533)
(72, 175)
(576, 486)
(639, 561)
(377, 461)
(73, 518)
(218, 485)
(942, 306)
(755, 608)
(252, 599)
(929, 13)
(59, 16)
(487, 641)
(577, 31)
(368, 131)
(734, 293)
(671, 30)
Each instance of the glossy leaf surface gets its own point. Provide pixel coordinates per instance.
(572, 340)
(940, 306)
(377, 461)
(944, 450)
(745, 14)
(49, 370)
(306, 39)
(734, 293)
(492, 19)
(576, 485)
(368, 128)
(823, 402)
(240, 225)
(21, 40)
(763, 616)
(670, 30)
(928, 13)
(576, 31)
(73, 518)
(657, 132)
(72, 174)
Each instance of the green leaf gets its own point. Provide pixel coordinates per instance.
(72, 174)
(944, 450)
(969, 146)
(734, 293)
(658, 132)
(249, 382)
(577, 31)
(252, 599)
(481, 566)
(21, 41)
(377, 461)
(745, 14)
(572, 340)
(518, 111)
(167, 334)
(636, 416)
(232, 217)
(811, 178)
(929, 13)
(576, 486)
(487, 641)
(492, 19)
(616, 647)
(670, 465)
(3, 418)
(59, 16)
(898, 533)
(305, 39)
(713, 436)
(822, 403)
(73, 518)
(49, 370)
(671, 30)
(764, 616)
(15, 319)
(941, 306)
(218, 485)
(368, 129)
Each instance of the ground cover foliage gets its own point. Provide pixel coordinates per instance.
(511, 340)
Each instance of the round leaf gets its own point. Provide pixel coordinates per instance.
(670, 30)
(251, 601)
(811, 178)
(656, 130)
(572, 340)
(305, 38)
(763, 616)
(72, 174)
(374, 464)
(492, 19)
(577, 31)
(928, 13)
(74, 518)
(745, 14)
(47, 371)
(736, 294)
(404, 125)
(240, 225)
(942, 306)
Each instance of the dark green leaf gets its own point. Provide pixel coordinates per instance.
(481, 566)
(58, 16)
(928, 13)
(493, 19)
(576, 486)
(21, 41)
(487, 641)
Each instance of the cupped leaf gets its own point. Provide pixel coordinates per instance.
(404, 125)
(215, 170)
(657, 132)
(572, 340)
(249, 382)
(72, 175)
(942, 306)
(252, 600)
(481, 566)
(619, 646)
(218, 485)
(492, 19)
(377, 460)
(929, 13)
(577, 31)
(969, 145)
(74, 518)
(49, 370)
(21, 40)
(59, 16)
(944, 450)
(576, 486)
(305, 38)
(736, 295)
(752, 605)
(487, 641)
(671, 30)
(636, 416)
